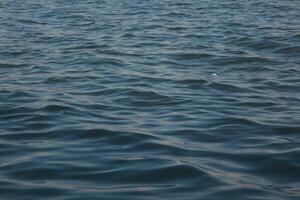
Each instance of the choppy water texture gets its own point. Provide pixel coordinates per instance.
(150, 99)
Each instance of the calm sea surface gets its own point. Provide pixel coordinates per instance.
(150, 99)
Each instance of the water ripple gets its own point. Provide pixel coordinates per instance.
(149, 99)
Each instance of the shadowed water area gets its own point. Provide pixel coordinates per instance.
(150, 99)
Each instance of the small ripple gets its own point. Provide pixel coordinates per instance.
(170, 174)
(193, 83)
(244, 60)
(192, 56)
(31, 21)
(12, 65)
(290, 51)
(226, 87)
(86, 46)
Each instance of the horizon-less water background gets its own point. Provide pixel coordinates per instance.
(160, 99)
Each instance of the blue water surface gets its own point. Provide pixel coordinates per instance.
(150, 99)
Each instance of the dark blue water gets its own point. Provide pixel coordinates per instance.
(140, 99)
